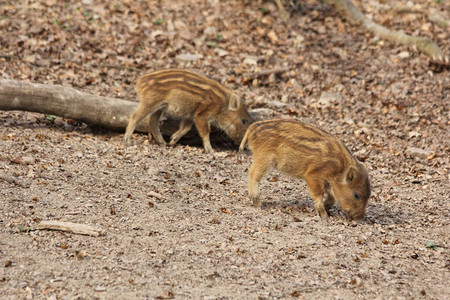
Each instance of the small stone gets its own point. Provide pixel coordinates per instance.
(100, 289)
(322, 29)
(362, 130)
(262, 113)
(152, 171)
(221, 154)
(403, 54)
(156, 33)
(210, 31)
(30, 59)
(414, 134)
(426, 26)
(170, 26)
(327, 99)
(349, 121)
(360, 153)
(299, 39)
(188, 57)
(417, 152)
(251, 60)
(277, 104)
(28, 160)
(314, 67)
(221, 52)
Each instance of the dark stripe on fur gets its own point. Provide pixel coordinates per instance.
(189, 78)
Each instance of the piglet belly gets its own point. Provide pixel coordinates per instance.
(180, 110)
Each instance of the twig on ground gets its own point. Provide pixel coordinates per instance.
(155, 195)
(266, 72)
(71, 227)
(283, 13)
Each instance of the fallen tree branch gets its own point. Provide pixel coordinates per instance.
(65, 102)
(354, 15)
(432, 13)
(71, 227)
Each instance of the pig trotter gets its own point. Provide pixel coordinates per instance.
(320, 208)
(255, 201)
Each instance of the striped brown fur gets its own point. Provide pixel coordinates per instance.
(192, 98)
(303, 151)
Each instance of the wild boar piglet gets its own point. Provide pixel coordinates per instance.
(303, 151)
(193, 99)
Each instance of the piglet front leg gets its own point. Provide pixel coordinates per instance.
(203, 127)
(319, 196)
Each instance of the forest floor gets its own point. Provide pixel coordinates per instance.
(178, 221)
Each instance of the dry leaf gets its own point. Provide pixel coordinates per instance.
(225, 211)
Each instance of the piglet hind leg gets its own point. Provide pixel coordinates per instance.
(261, 164)
(153, 127)
(140, 113)
(185, 126)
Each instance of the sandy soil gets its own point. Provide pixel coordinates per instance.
(178, 222)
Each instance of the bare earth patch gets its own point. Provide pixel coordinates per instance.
(178, 221)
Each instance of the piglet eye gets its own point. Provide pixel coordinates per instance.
(357, 196)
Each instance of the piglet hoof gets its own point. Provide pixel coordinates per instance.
(162, 143)
(209, 150)
(256, 202)
(323, 215)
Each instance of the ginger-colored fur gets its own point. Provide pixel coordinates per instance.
(192, 98)
(307, 152)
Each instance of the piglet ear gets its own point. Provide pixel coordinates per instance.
(234, 102)
(352, 174)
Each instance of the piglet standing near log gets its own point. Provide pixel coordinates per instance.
(192, 98)
(307, 152)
